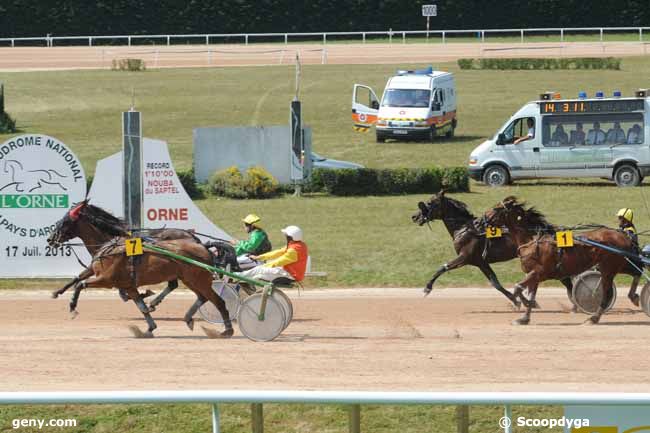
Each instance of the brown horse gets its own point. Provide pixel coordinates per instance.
(542, 259)
(104, 227)
(110, 267)
(471, 245)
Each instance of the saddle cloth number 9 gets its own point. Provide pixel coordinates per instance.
(493, 232)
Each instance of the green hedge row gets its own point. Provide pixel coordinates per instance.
(367, 181)
(535, 64)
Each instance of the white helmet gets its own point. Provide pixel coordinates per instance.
(294, 232)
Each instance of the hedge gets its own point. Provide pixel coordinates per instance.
(367, 181)
(255, 183)
(187, 179)
(537, 64)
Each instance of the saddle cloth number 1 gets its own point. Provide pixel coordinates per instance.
(564, 239)
(493, 232)
(133, 247)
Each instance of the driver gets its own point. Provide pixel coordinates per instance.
(288, 262)
(257, 242)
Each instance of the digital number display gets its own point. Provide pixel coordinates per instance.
(609, 106)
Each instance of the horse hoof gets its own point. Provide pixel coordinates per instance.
(593, 320)
(190, 324)
(73, 314)
(211, 333)
(536, 306)
(427, 291)
(635, 300)
(137, 333)
(151, 308)
(227, 333)
(521, 321)
(54, 295)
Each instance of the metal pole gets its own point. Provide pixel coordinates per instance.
(246, 39)
(443, 37)
(390, 36)
(355, 418)
(167, 40)
(601, 35)
(561, 35)
(640, 34)
(324, 38)
(507, 424)
(522, 36)
(462, 419)
(286, 39)
(215, 419)
(482, 35)
(428, 28)
(364, 36)
(257, 418)
(90, 41)
(403, 37)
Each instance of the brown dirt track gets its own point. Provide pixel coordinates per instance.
(43, 58)
(372, 339)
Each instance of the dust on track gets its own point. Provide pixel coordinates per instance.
(382, 339)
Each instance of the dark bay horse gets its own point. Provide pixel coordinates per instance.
(468, 237)
(111, 268)
(542, 259)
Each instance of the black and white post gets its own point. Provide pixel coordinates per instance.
(132, 163)
(297, 147)
(429, 11)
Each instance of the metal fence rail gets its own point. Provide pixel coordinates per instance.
(353, 399)
(245, 38)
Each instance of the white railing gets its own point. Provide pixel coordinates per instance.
(246, 38)
(354, 399)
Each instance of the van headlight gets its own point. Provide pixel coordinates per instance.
(473, 160)
(382, 122)
(421, 123)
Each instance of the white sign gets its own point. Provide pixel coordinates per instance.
(429, 10)
(166, 204)
(40, 179)
(610, 419)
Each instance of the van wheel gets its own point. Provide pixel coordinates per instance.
(627, 175)
(496, 175)
(380, 138)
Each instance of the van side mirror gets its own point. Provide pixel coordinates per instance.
(435, 106)
(501, 139)
(375, 105)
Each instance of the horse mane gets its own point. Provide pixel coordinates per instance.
(105, 221)
(532, 217)
(460, 207)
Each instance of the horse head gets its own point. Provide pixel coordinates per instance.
(430, 210)
(510, 212)
(68, 227)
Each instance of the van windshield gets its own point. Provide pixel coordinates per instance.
(406, 98)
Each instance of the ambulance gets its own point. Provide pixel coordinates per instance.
(416, 105)
(553, 137)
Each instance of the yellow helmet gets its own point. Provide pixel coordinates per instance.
(252, 219)
(626, 213)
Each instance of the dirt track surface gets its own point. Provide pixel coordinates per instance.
(43, 58)
(456, 339)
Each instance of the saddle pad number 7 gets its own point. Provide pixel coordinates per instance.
(493, 232)
(564, 239)
(133, 247)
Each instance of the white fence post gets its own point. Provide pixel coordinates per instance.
(129, 40)
(90, 41)
(522, 36)
(390, 36)
(403, 37)
(215, 419)
(640, 34)
(601, 35)
(507, 419)
(168, 40)
(324, 38)
(443, 37)
(363, 35)
(561, 35)
(286, 39)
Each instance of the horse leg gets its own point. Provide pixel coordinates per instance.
(491, 276)
(200, 300)
(171, 286)
(137, 298)
(205, 290)
(569, 292)
(531, 282)
(86, 273)
(634, 298)
(458, 262)
(79, 286)
(606, 284)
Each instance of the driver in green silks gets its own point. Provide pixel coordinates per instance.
(256, 244)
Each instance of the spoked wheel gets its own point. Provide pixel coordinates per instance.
(644, 300)
(257, 327)
(229, 295)
(588, 293)
(286, 304)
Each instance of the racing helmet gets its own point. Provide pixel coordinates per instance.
(626, 213)
(294, 232)
(252, 220)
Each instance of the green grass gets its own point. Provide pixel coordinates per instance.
(278, 418)
(357, 241)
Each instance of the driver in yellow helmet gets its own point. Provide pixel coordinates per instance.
(256, 244)
(625, 223)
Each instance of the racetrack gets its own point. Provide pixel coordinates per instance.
(162, 56)
(360, 339)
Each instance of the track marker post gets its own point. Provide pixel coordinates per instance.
(462, 419)
(355, 418)
(257, 417)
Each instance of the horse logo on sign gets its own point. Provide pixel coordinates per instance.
(31, 180)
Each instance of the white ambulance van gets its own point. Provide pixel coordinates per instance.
(605, 137)
(417, 104)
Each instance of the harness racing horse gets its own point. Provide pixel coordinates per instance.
(110, 267)
(470, 242)
(104, 227)
(542, 259)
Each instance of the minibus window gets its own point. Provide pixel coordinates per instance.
(592, 130)
(517, 129)
(406, 98)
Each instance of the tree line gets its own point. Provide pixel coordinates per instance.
(24, 18)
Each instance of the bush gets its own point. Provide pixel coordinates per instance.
(257, 183)
(368, 181)
(7, 124)
(132, 65)
(187, 179)
(540, 64)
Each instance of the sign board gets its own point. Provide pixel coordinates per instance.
(429, 10)
(609, 419)
(165, 204)
(40, 179)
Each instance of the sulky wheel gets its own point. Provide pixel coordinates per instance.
(286, 304)
(258, 328)
(644, 300)
(587, 293)
(229, 295)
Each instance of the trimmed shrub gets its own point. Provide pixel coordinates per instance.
(257, 183)
(187, 179)
(132, 65)
(347, 182)
(7, 124)
(540, 64)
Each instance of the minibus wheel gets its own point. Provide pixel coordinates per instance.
(496, 175)
(380, 138)
(627, 175)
